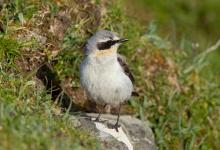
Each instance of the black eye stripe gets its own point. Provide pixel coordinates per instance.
(106, 45)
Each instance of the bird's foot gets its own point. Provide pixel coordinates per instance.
(116, 126)
(97, 119)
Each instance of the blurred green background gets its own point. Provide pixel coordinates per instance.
(194, 19)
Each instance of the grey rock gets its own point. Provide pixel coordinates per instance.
(139, 134)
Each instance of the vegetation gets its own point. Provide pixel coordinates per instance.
(178, 80)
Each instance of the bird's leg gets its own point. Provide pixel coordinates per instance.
(117, 124)
(98, 117)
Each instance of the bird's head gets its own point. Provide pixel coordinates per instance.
(103, 43)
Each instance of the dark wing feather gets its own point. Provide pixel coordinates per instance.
(127, 71)
(125, 68)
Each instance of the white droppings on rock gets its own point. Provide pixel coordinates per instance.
(120, 135)
(136, 134)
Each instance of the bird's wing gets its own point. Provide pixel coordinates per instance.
(124, 66)
(127, 71)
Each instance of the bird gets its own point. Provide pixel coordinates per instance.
(104, 74)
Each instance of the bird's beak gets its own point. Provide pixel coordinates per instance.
(122, 40)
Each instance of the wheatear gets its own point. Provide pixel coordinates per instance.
(103, 73)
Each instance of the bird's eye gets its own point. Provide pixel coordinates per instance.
(105, 45)
(111, 38)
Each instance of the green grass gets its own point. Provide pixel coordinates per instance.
(29, 119)
(9, 49)
(178, 83)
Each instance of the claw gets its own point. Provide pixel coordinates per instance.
(97, 119)
(116, 126)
